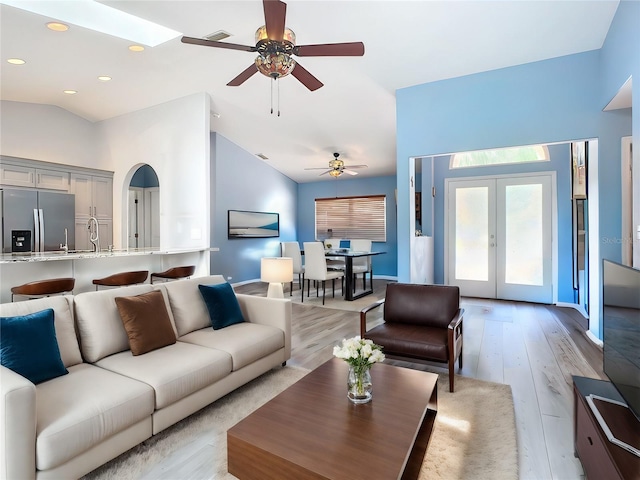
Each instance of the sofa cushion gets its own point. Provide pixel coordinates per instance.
(187, 306)
(174, 372)
(222, 305)
(146, 321)
(245, 342)
(80, 410)
(63, 315)
(99, 324)
(28, 346)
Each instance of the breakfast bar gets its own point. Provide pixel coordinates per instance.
(84, 266)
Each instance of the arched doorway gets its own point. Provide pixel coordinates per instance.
(144, 209)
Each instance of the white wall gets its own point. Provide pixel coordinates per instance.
(49, 133)
(174, 139)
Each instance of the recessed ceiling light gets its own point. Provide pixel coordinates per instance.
(16, 61)
(104, 78)
(136, 48)
(70, 92)
(57, 26)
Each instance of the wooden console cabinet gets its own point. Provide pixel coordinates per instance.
(600, 458)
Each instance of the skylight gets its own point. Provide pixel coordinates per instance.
(500, 156)
(101, 18)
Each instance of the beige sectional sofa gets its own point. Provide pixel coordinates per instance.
(111, 400)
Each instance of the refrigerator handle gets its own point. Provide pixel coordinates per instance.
(41, 223)
(36, 233)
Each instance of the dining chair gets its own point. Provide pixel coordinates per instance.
(292, 250)
(362, 264)
(315, 266)
(335, 263)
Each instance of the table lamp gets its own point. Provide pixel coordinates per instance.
(276, 271)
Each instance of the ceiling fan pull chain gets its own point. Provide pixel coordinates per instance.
(272, 96)
(278, 97)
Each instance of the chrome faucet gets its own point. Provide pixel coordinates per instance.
(65, 246)
(94, 236)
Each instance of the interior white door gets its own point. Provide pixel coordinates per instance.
(471, 237)
(499, 237)
(524, 256)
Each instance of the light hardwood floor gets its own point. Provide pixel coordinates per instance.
(534, 348)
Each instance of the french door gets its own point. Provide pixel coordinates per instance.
(499, 237)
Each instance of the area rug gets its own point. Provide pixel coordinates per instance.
(338, 303)
(474, 436)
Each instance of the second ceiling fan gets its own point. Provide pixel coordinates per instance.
(337, 167)
(275, 45)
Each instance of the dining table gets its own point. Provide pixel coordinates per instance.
(349, 255)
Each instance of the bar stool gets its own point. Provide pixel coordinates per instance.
(175, 273)
(44, 288)
(121, 279)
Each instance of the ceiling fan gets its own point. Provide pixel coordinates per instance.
(275, 44)
(337, 167)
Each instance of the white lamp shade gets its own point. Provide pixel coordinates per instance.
(276, 269)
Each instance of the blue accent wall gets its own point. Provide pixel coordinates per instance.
(240, 181)
(550, 101)
(383, 265)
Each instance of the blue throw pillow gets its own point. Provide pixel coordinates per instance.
(28, 346)
(223, 306)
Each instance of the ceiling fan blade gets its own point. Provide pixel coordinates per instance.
(355, 166)
(308, 80)
(354, 49)
(211, 43)
(324, 173)
(316, 168)
(275, 13)
(349, 172)
(244, 76)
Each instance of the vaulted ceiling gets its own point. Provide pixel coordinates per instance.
(406, 43)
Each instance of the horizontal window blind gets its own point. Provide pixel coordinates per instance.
(352, 217)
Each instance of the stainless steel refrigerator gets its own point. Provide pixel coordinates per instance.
(49, 216)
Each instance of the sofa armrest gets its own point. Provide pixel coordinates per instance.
(17, 426)
(275, 312)
(363, 316)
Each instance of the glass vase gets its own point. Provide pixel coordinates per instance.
(359, 387)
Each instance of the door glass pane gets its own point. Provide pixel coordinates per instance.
(523, 235)
(472, 234)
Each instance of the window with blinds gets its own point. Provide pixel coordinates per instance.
(352, 217)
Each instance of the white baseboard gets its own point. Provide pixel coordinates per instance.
(575, 306)
(594, 339)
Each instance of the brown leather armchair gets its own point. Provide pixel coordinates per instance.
(421, 323)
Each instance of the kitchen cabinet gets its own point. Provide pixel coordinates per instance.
(94, 196)
(52, 179)
(17, 176)
(23, 176)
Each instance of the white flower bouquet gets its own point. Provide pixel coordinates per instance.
(358, 352)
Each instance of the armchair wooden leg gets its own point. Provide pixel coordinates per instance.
(333, 285)
(324, 290)
(452, 363)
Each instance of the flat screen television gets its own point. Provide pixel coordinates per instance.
(621, 330)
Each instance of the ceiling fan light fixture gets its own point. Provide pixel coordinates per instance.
(289, 36)
(335, 173)
(275, 65)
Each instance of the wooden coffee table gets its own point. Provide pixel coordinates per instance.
(312, 431)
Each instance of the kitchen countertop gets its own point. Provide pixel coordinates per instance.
(84, 254)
